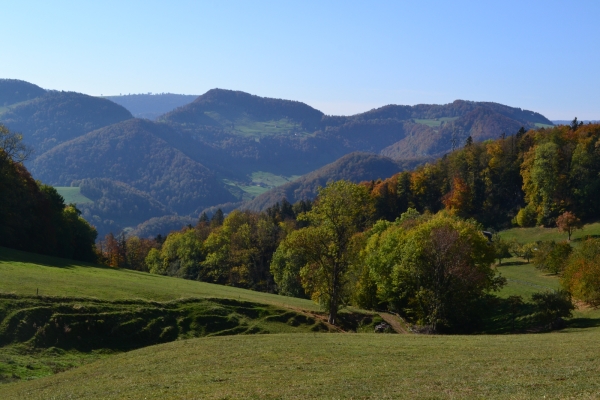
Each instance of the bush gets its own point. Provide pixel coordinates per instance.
(552, 307)
(582, 274)
(526, 217)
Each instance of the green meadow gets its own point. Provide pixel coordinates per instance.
(72, 195)
(435, 122)
(261, 182)
(527, 235)
(334, 366)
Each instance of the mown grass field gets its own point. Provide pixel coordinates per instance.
(261, 183)
(72, 195)
(30, 274)
(434, 122)
(526, 235)
(314, 366)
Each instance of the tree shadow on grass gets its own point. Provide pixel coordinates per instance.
(509, 263)
(583, 323)
(584, 238)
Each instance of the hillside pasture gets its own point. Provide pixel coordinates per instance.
(30, 274)
(72, 195)
(528, 235)
(311, 366)
(261, 182)
(436, 122)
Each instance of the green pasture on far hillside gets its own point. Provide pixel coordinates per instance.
(72, 195)
(435, 122)
(261, 182)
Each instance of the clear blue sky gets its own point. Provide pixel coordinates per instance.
(341, 57)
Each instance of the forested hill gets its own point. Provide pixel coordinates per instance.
(14, 91)
(228, 108)
(280, 132)
(132, 152)
(354, 167)
(56, 117)
(150, 106)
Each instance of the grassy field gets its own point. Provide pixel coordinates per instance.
(72, 195)
(434, 122)
(526, 235)
(261, 182)
(30, 274)
(310, 366)
(271, 180)
(247, 127)
(524, 279)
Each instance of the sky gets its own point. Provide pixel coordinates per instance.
(341, 57)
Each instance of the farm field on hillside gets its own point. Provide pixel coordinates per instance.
(525, 279)
(72, 195)
(526, 235)
(27, 274)
(556, 365)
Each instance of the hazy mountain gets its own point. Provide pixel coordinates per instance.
(57, 117)
(132, 152)
(354, 167)
(149, 105)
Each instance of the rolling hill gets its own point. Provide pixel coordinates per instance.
(57, 117)
(13, 91)
(133, 153)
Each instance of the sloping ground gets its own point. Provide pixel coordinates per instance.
(27, 274)
(309, 366)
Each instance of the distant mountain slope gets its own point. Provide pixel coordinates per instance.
(132, 152)
(279, 135)
(354, 167)
(151, 106)
(15, 91)
(246, 114)
(117, 205)
(57, 117)
(481, 123)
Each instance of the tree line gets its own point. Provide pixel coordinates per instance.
(33, 216)
(410, 243)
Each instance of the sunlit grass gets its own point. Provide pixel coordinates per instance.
(527, 235)
(29, 274)
(311, 366)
